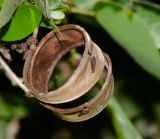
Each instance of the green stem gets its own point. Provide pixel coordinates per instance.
(55, 27)
(123, 126)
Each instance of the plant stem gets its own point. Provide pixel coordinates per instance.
(12, 76)
(15, 80)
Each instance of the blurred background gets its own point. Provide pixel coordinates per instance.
(137, 92)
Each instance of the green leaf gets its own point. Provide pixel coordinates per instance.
(131, 108)
(43, 6)
(24, 22)
(84, 4)
(134, 34)
(1, 2)
(123, 127)
(152, 20)
(51, 8)
(8, 8)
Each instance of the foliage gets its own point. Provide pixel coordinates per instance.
(134, 25)
(20, 24)
(132, 30)
(123, 127)
(8, 8)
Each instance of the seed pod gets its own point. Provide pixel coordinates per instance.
(41, 62)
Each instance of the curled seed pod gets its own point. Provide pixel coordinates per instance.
(92, 107)
(47, 54)
(42, 60)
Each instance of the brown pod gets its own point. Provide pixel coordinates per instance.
(92, 107)
(40, 64)
(42, 61)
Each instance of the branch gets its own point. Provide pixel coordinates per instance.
(12, 76)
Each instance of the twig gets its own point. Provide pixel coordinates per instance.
(12, 76)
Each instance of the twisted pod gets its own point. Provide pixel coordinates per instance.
(40, 64)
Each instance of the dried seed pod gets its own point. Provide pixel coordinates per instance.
(42, 60)
(49, 51)
(92, 107)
